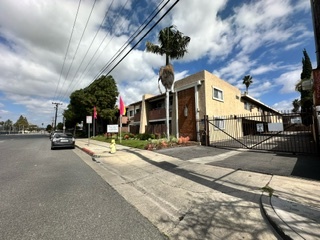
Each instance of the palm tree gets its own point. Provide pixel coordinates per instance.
(173, 45)
(247, 80)
(296, 105)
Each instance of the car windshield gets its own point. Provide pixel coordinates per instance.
(63, 135)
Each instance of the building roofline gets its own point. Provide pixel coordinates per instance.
(246, 96)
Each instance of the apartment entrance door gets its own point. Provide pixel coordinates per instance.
(186, 114)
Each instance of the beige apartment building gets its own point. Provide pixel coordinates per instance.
(192, 98)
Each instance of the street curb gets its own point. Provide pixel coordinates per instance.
(273, 219)
(90, 153)
(87, 151)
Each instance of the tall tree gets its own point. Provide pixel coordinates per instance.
(102, 94)
(306, 96)
(247, 80)
(173, 45)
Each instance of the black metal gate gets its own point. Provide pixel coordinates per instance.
(278, 132)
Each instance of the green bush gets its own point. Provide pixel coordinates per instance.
(145, 136)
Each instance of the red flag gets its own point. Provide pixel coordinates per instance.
(94, 112)
(122, 107)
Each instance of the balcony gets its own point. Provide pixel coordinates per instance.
(159, 113)
(136, 117)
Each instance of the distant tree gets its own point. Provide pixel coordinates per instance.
(22, 123)
(102, 94)
(306, 96)
(296, 105)
(49, 128)
(8, 125)
(2, 125)
(247, 80)
(60, 126)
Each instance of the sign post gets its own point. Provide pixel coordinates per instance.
(89, 121)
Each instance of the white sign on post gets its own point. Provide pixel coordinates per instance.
(112, 128)
(260, 127)
(89, 119)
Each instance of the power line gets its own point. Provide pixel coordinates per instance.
(128, 42)
(170, 8)
(84, 30)
(101, 24)
(65, 56)
(131, 39)
(114, 20)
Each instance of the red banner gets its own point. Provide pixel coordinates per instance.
(122, 107)
(94, 112)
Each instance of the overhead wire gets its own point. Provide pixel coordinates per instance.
(113, 23)
(133, 36)
(83, 32)
(101, 24)
(127, 43)
(154, 25)
(66, 54)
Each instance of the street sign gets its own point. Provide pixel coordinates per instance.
(112, 128)
(260, 127)
(89, 119)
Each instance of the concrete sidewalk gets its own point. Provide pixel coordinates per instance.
(188, 200)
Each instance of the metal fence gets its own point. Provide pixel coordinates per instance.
(278, 132)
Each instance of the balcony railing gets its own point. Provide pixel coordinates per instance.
(136, 117)
(159, 113)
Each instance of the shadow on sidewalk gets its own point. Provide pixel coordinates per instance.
(209, 217)
(247, 196)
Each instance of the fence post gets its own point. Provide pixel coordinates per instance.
(206, 130)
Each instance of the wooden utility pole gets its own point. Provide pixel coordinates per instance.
(55, 117)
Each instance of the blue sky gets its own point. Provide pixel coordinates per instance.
(231, 39)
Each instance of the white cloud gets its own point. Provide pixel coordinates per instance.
(235, 69)
(288, 80)
(283, 105)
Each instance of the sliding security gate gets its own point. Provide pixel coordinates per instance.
(285, 132)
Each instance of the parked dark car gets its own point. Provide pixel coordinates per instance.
(62, 140)
(52, 133)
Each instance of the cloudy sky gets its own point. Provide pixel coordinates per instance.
(50, 48)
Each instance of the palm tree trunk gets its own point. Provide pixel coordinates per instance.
(167, 59)
(167, 115)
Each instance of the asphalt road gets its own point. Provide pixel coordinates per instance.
(283, 164)
(53, 194)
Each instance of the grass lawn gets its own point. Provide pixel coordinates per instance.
(135, 143)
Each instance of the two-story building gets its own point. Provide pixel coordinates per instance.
(194, 97)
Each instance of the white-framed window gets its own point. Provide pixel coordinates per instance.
(219, 123)
(217, 94)
(247, 106)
